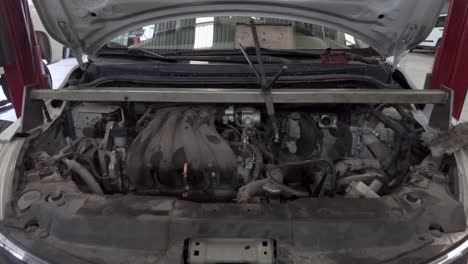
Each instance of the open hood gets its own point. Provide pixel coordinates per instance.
(389, 26)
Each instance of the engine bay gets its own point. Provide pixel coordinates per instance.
(161, 182)
(232, 153)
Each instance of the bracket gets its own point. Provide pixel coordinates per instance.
(441, 116)
(33, 111)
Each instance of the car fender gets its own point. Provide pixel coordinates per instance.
(10, 151)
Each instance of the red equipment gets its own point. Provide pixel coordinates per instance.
(451, 62)
(26, 67)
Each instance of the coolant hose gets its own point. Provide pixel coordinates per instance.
(85, 175)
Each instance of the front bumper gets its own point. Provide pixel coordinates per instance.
(457, 254)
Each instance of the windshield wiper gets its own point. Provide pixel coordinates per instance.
(170, 57)
(148, 54)
(269, 54)
(135, 53)
(265, 84)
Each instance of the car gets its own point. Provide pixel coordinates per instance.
(236, 132)
(52, 51)
(432, 41)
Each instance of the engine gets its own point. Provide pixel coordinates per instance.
(234, 154)
(180, 152)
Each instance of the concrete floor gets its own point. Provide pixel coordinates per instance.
(416, 65)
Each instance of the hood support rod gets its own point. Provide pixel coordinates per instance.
(265, 84)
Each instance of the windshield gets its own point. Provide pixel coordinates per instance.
(229, 32)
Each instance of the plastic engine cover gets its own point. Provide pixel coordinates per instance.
(176, 136)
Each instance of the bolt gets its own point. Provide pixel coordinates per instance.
(43, 234)
(396, 212)
(30, 229)
(55, 196)
(412, 198)
(436, 233)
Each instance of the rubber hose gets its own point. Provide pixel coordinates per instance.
(396, 127)
(83, 158)
(400, 130)
(266, 154)
(405, 115)
(299, 163)
(288, 189)
(258, 157)
(84, 174)
(258, 161)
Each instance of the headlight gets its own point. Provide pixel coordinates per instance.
(18, 252)
(453, 254)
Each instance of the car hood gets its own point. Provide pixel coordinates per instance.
(389, 26)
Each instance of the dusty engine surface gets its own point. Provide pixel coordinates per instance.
(180, 150)
(234, 153)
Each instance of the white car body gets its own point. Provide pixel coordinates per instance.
(433, 40)
(74, 23)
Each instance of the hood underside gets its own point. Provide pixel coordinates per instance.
(390, 27)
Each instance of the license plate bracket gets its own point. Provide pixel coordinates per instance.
(230, 250)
